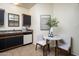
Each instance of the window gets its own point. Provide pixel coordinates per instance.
(13, 20)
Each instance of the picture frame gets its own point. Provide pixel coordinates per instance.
(43, 20)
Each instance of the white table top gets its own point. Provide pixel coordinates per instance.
(53, 38)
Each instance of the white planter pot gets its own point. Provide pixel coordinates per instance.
(51, 32)
(51, 29)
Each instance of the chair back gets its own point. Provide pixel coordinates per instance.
(40, 37)
(66, 39)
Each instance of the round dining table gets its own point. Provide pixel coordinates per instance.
(54, 38)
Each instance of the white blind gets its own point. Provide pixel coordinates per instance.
(43, 20)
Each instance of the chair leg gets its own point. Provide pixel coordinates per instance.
(58, 51)
(36, 47)
(69, 52)
(45, 50)
(48, 47)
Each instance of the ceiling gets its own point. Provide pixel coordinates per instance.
(26, 5)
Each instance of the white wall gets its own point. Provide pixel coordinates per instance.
(36, 11)
(11, 8)
(68, 16)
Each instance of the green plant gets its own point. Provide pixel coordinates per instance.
(52, 22)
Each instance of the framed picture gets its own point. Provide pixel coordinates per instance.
(13, 20)
(43, 22)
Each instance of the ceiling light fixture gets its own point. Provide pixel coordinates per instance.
(16, 2)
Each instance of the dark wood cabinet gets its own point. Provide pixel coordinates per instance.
(11, 42)
(26, 20)
(2, 44)
(1, 17)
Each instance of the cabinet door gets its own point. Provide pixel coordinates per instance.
(27, 39)
(26, 20)
(2, 44)
(14, 41)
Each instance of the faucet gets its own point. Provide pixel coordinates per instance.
(13, 29)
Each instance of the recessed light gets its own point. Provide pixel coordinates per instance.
(16, 3)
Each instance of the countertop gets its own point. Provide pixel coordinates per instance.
(15, 32)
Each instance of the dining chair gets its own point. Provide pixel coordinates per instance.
(41, 42)
(66, 44)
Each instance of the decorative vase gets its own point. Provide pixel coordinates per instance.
(51, 29)
(51, 32)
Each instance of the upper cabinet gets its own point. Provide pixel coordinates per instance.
(2, 16)
(26, 20)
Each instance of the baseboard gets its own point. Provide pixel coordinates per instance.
(73, 55)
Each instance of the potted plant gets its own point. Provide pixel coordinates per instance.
(52, 23)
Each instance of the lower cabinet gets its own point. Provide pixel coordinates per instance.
(2, 44)
(14, 41)
(10, 42)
